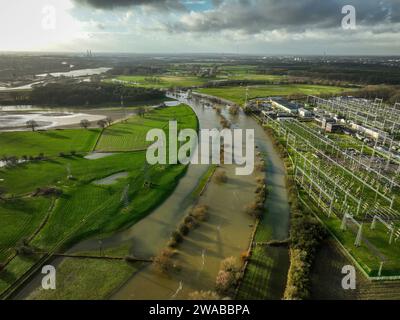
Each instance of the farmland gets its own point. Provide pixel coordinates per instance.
(50, 223)
(162, 81)
(182, 78)
(238, 94)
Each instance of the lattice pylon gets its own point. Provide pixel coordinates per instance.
(357, 243)
(343, 226)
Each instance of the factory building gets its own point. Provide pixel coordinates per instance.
(286, 106)
(304, 113)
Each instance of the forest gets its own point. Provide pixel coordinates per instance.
(89, 94)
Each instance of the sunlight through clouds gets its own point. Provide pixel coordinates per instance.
(25, 27)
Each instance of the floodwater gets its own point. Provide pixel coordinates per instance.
(226, 233)
(23, 87)
(111, 179)
(44, 120)
(72, 73)
(98, 155)
(77, 73)
(14, 118)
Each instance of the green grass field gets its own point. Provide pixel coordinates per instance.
(50, 143)
(78, 279)
(368, 259)
(19, 219)
(84, 209)
(251, 77)
(131, 136)
(163, 81)
(238, 94)
(171, 81)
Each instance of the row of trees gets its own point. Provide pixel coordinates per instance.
(306, 234)
(390, 94)
(337, 72)
(32, 124)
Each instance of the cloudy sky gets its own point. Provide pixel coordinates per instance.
(187, 26)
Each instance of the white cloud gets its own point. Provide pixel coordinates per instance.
(23, 24)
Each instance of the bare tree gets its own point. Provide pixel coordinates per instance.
(220, 177)
(109, 120)
(102, 123)
(163, 261)
(85, 123)
(32, 124)
(234, 110)
(141, 111)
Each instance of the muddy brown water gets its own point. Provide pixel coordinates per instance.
(226, 233)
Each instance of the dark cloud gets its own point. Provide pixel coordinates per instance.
(112, 4)
(254, 16)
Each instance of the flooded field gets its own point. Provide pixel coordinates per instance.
(111, 179)
(14, 118)
(71, 74)
(225, 234)
(44, 120)
(77, 73)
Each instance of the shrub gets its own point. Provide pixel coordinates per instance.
(225, 282)
(183, 229)
(225, 123)
(255, 210)
(25, 250)
(261, 188)
(260, 167)
(163, 261)
(260, 199)
(247, 110)
(260, 180)
(228, 276)
(234, 110)
(203, 295)
(230, 264)
(49, 191)
(176, 236)
(244, 256)
(220, 177)
(200, 213)
(172, 243)
(190, 222)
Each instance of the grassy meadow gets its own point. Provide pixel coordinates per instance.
(84, 208)
(238, 94)
(162, 81)
(131, 135)
(50, 143)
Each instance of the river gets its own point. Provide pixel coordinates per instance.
(226, 233)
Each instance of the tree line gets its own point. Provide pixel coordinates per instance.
(89, 94)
